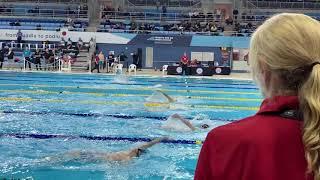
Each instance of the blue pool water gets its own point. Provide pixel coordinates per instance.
(96, 107)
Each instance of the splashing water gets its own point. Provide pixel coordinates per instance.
(121, 79)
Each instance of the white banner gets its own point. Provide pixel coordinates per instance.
(37, 35)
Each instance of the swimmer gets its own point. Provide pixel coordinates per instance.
(171, 124)
(90, 156)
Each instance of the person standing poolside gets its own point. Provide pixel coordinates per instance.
(281, 141)
(27, 55)
(101, 60)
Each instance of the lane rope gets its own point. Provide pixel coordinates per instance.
(94, 138)
(135, 89)
(120, 116)
(139, 84)
(128, 103)
(128, 95)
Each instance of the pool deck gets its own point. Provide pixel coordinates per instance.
(151, 72)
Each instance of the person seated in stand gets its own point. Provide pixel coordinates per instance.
(91, 156)
(69, 44)
(178, 123)
(62, 43)
(80, 43)
(194, 63)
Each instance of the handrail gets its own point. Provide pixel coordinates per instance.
(181, 3)
(286, 5)
(44, 1)
(225, 33)
(75, 13)
(29, 45)
(154, 16)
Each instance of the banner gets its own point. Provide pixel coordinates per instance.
(37, 35)
(173, 40)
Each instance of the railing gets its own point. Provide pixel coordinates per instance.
(150, 16)
(33, 46)
(46, 1)
(225, 33)
(286, 5)
(168, 3)
(53, 13)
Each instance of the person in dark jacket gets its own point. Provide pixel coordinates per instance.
(281, 141)
(10, 55)
(37, 57)
(1, 58)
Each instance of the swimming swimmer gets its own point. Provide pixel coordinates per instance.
(172, 124)
(91, 156)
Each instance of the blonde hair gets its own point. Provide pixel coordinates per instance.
(289, 44)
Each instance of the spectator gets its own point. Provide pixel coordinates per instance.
(101, 60)
(19, 36)
(62, 43)
(27, 55)
(10, 55)
(1, 57)
(80, 43)
(17, 23)
(37, 58)
(122, 57)
(38, 27)
(69, 44)
(96, 63)
(46, 55)
(110, 58)
(164, 10)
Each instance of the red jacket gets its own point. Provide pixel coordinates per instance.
(261, 147)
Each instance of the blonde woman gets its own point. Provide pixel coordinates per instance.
(282, 141)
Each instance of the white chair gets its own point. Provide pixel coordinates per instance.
(133, 68)
(164, 69)
(118, 69)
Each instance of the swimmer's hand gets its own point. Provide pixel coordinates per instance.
(153, 142)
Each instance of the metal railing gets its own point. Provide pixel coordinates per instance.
(168, 3)
(52, 13)
(46, 1)
(32, 46)
(286, 5)
(151, 16)
(225, 33)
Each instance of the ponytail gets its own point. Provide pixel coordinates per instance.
(309, 95)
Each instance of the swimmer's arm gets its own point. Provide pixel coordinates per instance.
(186, 122)
(170, 99)
(151, 143)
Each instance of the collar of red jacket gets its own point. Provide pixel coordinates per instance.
(279, 104)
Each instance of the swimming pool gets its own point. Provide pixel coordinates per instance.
(45, 114)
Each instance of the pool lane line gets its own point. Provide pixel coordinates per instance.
(128, 103)
(120, 116)
(127, 95)
(136, 84)
(214, 81)
(135, 89)
(94, 138)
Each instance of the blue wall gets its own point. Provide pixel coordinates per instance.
(167, 54)
(162, 54)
